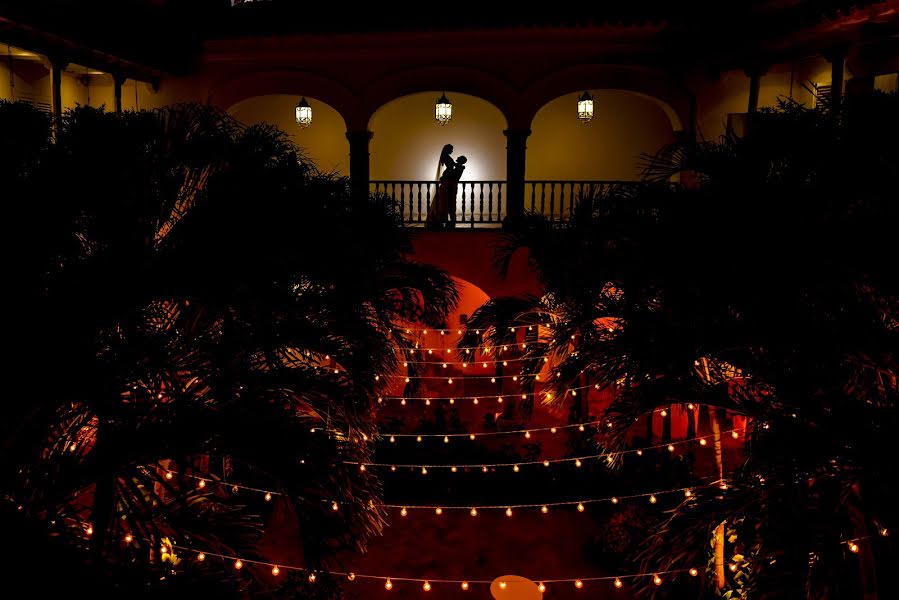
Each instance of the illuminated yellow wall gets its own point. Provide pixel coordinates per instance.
(324, 141)
(716, 98)
(408, 140)
(607, 148)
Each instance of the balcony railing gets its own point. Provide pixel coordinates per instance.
(483, 204)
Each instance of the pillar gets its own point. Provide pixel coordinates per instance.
(117, 82)
(359, 164)
(516, 150)
(837, 60)
(755, 78)
(56, 67)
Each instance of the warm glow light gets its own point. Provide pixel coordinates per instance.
(541, 587)
(424, 470)
(657, 580)
(652, 499)
(453, 469)
(664, 413)
(502, 585)
(334, 505)
(201, 557)
(732, 567)
(545, 463)
(443, 110)
(552, 429)
(734, 435)
(418, 439)
(618, 583)
(89, 530)
(614, 500)
(388, 585)
(238, 564)
(694, 572)
(484, 468)
(427, 586)
(580, 507)
(474, 512)
(268, 496)
(471, 435)
(580, 428)
(509, 512)
(688, 493)
(276, 571)
(311, 578)
(853, 547)
(128, 538)
(703, 442)
(544, 509)
(516, 469)
(168, 475)
(404, 512)
(303, 114)
(351, 576)
(527, 434)
(639, 452)
(670, 447)
(690, 406)
(577, 462)
(446, 439)
(392, 440)
(464, 586)
(362, 468)
(438, 510)
(578, 584)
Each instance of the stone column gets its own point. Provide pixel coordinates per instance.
(359, 164)
(516, 151)
(56, 67)
(837, 58)
(117, 82)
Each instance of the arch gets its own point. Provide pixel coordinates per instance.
(452, 79)
(626, 126)
(293, 82)
(407, 139)
(324, 142)
(672, 97)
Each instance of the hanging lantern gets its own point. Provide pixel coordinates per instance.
(585, 107)
(443, 110)
(304, 114)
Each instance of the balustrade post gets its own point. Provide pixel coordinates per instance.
(516, 150)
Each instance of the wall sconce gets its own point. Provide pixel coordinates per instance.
(443, 110)
(304, 113)
(585, 107)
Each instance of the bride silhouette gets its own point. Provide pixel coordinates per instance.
(443, 207)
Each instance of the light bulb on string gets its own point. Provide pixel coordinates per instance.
(703, 442)
(201, 557)
(580, 507)
(509, 512)
(464, 586)
(438, 511)
(474, 512)
(694, 572)
(578, 583)
(484, 468)
(388, 585)
(268, 496)
(688, 493)
(652, 499)
(541, 587)
(351, 576)
(614, 500)
(427, 586)
(732, 567)
(545, 463)
(618, 583)
(639, 452)
(544, 509)
(734, 435)
(663, 412)
(404, 512)
(418, 439)
(577, 462)
(424, 470)
(670, 447)
(516, 468)
(502, 585)
(128, 538)
(454, 469)
(853, 547)
(334, 506)
(238, 564)
(276, 571)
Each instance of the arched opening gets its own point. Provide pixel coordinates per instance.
(407, 138)
(625, 125)
(324, 141)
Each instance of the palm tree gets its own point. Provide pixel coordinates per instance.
(206, 320)
(765, 290)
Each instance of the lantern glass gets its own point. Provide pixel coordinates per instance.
(304, 114)
(443, 110)
(585, 107)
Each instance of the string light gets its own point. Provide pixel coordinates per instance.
(268, 496)
(509, 512)
(544, 509)
(474, 512)
(128, 538)
(580, 507)
(853, 547)
(694, 572)
(427, 584)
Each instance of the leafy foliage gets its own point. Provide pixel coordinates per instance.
(764, 284)
(193, 299)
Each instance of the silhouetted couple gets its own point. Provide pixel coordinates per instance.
(442, 212)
